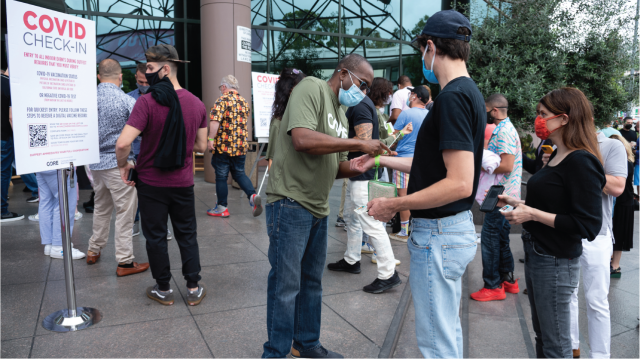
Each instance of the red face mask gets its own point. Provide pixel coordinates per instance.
(541, 127)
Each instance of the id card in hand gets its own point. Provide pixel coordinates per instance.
(361, 210)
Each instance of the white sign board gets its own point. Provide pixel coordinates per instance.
(244, 44)
(264, 92)
(52, 72)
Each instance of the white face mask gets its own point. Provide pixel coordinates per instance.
(388, 100)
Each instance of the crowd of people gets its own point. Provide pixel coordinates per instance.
(440, 154)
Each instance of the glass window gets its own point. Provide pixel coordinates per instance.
(157, 8)
(259, 40)
(382, 55)
(380, 19)
(315, 55)
(194, 68)
(414, 18)
(76, 4)
(312, 15)
(259, 12)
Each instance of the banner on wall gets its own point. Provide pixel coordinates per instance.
(264, 92)
(52, 72)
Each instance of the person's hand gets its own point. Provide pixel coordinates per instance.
(504, 200)
(211, 145)
(545, 159)
(519, 215)
(362, 163)
(374, 147)
(124, 174)
(408, 128)
(381, 209)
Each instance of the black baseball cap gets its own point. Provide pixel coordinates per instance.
(421, 92)
(445, 24)
(162, 53)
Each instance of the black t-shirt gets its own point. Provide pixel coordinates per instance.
(630, 136)
(626, 198)
(456, 122)
(364, 112)
(572, 190)
(7, 132)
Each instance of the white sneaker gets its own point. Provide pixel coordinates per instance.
(47, 248)
(34, 217)
(375, 260)
(77, 216)
(136, 229)
(56, 252)
(169, 235)
(367, 248)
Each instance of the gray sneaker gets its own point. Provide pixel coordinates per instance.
(164, 298)
(195, 297)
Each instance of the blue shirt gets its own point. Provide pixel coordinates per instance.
(407, 144)
(135, 145)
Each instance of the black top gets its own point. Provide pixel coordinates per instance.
(626, 198)
(572, 190)
(364, 112)
(456, 122)
(7, 132)
(630, 136)
(533, 166)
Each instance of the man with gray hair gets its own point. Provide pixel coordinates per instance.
(114, 108)
(228, 144)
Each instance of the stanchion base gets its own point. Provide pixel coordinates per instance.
(61, 321)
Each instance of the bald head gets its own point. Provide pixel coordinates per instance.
(404, 81)
(358, 65)
(109, 69)
(497, 101)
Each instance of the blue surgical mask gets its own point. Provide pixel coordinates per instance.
(350, 97)
(428, 74)
(409, 101)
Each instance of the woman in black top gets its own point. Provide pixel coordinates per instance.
(623, 214)
(563, 206)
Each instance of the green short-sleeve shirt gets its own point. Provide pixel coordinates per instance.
(274, 127)
(306, 178)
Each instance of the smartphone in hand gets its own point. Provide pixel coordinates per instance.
(547, 149)
(491, 200)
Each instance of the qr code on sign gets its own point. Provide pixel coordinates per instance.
(37, 135)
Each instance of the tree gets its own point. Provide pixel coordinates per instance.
(303, 60)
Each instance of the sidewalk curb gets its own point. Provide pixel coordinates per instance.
(393, 334)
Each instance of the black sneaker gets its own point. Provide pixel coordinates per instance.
(340, 222)
(380, 285)
(319, 352)
(33, 199)
(11, 216)
(343, 266)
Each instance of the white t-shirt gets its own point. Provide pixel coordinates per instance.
(399, 99)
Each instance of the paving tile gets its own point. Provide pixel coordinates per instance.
(17, 348)
(625, 345)
(121, 300)
(247, 223)
(342, 282)
(167, 338)
(349, 306)
(407, 342)
(485, 342)
(624, 308)
(230, 286)
(20, 308)
(23, 265)
(218, 250)
(628, 282)
(260, 240)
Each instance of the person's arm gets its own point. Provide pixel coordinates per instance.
(458, 184)
(507, 148)
(395, 113)
(201, 140)
(213, 131)
(363, 131)
(366, 162)
(11, 117)
(123, 149)
(615, 185)
(615, 169)
(506, 164)
(316, 143)
(344, 171)
(216, 117)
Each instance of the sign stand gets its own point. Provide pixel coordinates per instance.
(263, 142)
(73, 318)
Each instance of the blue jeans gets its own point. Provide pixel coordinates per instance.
(440, 251)
(7, 163)
(496, 253)
(49, 207)
(297, 254)
(31, 182)
(223, 163)
(550, 284)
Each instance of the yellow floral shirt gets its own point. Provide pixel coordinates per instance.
(232, 111)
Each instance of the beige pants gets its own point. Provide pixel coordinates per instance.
(345, 183)
(112, 192)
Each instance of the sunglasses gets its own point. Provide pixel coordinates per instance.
(363, 85)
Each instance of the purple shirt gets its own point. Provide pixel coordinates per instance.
(149, 117)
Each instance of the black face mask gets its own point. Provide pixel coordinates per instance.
(153, 78)
(490, 119)
(628, 126)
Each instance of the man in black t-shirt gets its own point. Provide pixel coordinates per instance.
(7, 149)
(627, 132)
(363, 124)
(444, 174)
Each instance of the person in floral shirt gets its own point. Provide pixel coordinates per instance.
(228, 144)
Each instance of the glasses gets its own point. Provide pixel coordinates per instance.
(220, 87)
(363, 85)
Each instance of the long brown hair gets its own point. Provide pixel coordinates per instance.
(580, 132)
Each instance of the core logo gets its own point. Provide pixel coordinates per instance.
(52, 163)
(333, 123)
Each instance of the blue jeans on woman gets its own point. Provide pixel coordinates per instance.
(297, 254)
(496, 250)
(223, 163)
(550, 284)
(440, 251)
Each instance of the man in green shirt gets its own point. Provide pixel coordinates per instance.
(310, 153)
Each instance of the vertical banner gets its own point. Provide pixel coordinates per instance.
(244, 44)
(52, 72)
(264, 92)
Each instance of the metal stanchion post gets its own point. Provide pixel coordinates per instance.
(73, 318)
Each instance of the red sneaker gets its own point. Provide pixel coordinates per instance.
(512, 288)
(218, 211)
(487, 295)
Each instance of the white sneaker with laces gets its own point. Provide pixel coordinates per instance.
(34, 217)
(47, 248)
(57, 252)
(77, 216)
